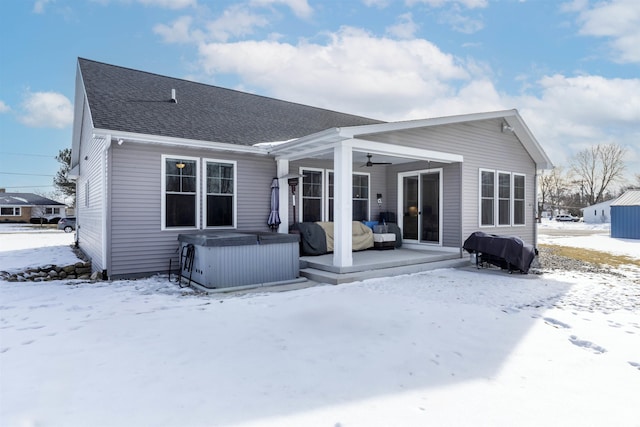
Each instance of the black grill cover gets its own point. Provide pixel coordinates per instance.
(510, 249)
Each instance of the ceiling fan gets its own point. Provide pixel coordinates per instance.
(370, 163)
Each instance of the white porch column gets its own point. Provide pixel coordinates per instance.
(282, 169)
(342, 204)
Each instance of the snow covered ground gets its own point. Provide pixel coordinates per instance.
(448, 347)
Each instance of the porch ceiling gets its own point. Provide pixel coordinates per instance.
(323, 147)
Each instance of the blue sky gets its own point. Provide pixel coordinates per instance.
(572, 68)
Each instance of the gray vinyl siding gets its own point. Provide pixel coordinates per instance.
(483, 146)
(89, 207)
(138, 244)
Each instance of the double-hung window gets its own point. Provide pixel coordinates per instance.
(518, 199)
(487, 197)
(360, 196)
(220, 181)
(502, 198)
(312, 195)
(180, 190)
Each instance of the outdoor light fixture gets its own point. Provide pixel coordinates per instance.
(180, 165)
(120, 141)
(506, 127)
(379, 197)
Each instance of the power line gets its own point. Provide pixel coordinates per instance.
(28, 174)
(27, 154)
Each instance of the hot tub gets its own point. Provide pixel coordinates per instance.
(232, 259)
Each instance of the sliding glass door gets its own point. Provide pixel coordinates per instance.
(420, 204)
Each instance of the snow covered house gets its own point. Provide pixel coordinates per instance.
(27, 207)
(599, 213)
(155, 157)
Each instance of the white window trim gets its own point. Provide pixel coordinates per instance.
(323, 197)
(326, 191)
(513, 199)
(163, 186)
(497, 198)
(14, 210)
(495, 202)
(235, 194)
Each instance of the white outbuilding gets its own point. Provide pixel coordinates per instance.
(599, 213)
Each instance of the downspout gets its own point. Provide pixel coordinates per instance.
(535, 209)
(106, 239)
(461, 208)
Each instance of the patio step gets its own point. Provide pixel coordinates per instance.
(322, 276)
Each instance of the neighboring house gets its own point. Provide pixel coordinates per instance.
(598, 213)
(625, 216)
(23, 207)
(156, 156)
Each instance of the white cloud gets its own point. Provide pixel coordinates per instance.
(237, 20)
(38, 6)
(46, 109)
(354, 72)
(618, 20)
(405, 28)
(460, 22)
(470, 4)
(170, 4)
(4, 108)
(300, 8)
(179, 31)
(381, 4)
(573, 113)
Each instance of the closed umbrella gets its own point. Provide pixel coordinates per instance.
(274, 217)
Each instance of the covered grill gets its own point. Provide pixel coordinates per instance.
(508, 253)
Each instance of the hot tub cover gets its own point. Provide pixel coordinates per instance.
(510, 249)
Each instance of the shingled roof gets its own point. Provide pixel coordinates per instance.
(122, 99)
(26, 199)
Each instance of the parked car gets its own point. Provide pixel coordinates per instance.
(567, 217)
(67, 224)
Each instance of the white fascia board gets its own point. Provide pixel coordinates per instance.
(408, 152)
(300, 147)
(529, 141)
(353, 131)
(179, 142)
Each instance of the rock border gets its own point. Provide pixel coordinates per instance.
(49, 272)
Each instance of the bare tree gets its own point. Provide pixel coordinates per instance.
(552, 186)
(597, 168)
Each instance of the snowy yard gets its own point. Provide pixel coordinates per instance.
(447, 347)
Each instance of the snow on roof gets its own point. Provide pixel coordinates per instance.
(630, 198)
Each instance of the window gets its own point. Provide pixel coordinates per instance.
(360, 197)
(487, 197)
(504, 198)
(311, 196)
(518, 199)
(180, 189)
(220, 193)
(10, 211)
(51, 211)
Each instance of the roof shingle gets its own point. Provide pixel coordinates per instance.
(123, 99)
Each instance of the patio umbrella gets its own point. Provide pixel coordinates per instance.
(274, 217)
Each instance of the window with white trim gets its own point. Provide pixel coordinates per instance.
(311, 193)
(10, 211)
(52, 211)
(487, 197)
(180, 191)
(220, 187)
(502, 198)
(360, 196)
(518, 199)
